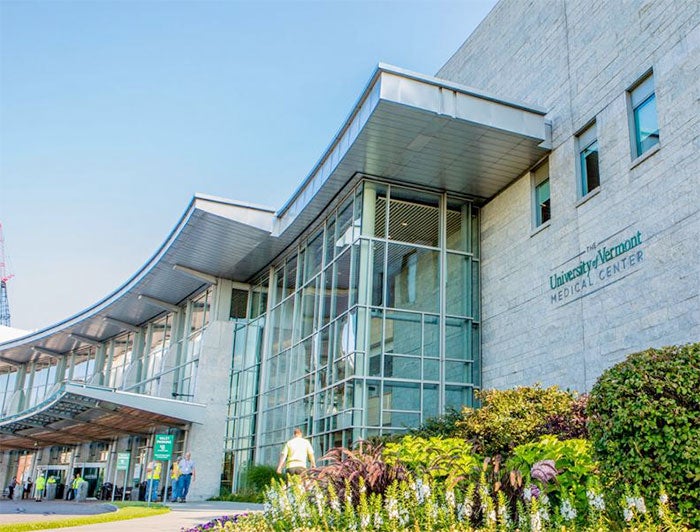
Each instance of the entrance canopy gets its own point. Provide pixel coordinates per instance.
(77, 413)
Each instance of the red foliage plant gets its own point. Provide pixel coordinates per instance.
(365, 461)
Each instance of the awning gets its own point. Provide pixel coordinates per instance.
(406, 127)
(77, 413)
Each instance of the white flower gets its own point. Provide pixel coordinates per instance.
(544, 514)
(364, 521)
(492, 516)
(628, 514)
(595, 500)
(464, 511)
(663, 498)
(422, 490)
(335, 505)
(527, 494)
(535, 522)
(640, 505)
(544, 500)
(378, 521)
(450, 498)
(392, 508)
(567, 511)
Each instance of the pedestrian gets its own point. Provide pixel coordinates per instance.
(187, 476)
(51, 482)
(153, 471)
(11, 488)
(39, 488)
(295, 454)
(27, 491)
(75, 485)
(175, 481)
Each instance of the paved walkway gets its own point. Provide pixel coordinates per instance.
(181, 515)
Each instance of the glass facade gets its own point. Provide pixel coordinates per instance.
(361, 335)
(159, 359)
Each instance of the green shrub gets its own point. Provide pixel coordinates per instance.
(258, 477)
(444, 426)
(438, 457)
(573, 460)
(511, 417)
(645, 425)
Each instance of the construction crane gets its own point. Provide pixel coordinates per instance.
(4, 277)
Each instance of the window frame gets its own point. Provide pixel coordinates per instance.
(585, 139)
(539, 176)
(639, 95)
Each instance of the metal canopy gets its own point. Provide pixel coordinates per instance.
(77, 413)
(405, 127)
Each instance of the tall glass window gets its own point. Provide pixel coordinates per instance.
(542, 203)
(156, 352)
(588, 160)
(645, 123)
(374, 322)
(121, 359)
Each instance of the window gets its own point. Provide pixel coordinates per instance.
(645, 127)
(588, 160)
(541, 199)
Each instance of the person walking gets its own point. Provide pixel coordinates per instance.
(295, 454)
(27, 492)
(11, 488)
(39, 488)
(187, 476)
(153, 476)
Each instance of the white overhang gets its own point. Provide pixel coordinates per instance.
(406, 127)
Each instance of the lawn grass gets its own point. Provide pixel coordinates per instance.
(124, 511)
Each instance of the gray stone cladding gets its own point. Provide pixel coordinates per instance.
(577, 60)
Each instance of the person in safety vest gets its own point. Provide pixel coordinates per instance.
(175, 481)
(39, 486)
(77, 481)
(153, 477)
(51, 482)
(295, 453)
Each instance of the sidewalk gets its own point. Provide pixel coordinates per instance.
(181, 515)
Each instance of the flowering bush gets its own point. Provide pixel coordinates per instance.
(426, 504)
(564, 470)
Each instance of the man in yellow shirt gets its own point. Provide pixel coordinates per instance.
(295, 453)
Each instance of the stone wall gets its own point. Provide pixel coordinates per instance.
(212, 390)
(578, 59)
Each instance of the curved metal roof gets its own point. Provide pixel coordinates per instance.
(405, 127)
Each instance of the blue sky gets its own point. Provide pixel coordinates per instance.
(113, 114)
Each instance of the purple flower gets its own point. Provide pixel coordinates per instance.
(544, 471)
